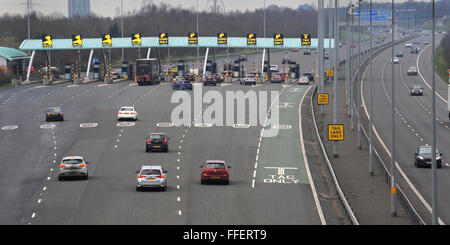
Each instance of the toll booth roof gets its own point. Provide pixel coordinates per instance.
(12, 54)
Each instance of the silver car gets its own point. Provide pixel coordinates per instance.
(72, 167)
(151, 177)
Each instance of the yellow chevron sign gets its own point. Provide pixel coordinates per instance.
(106, 40)
(77, 40)
(251, 39)
(163, 38)
(136, 39)
(222, 38)
(193, 38)
(278, 40)
(47, 41)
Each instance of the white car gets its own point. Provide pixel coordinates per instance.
(151, 177)
(396, 60)
(408, 45)
(127, 112)
(303, 80)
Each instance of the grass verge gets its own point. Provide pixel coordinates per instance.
(441, 66)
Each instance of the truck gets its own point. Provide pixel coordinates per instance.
(147, 71)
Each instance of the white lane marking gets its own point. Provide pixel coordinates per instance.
(39, 200)
(165, 124)
(48, 126)
(253, 183)
(33, 215)
(9, 127)
(241, 125)
(179, 212)
(178, 199)
(88, 125)
(125, 124)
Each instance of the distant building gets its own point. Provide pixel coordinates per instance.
(305, 7)
(80, 8)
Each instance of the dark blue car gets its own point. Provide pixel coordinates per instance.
(182, 85)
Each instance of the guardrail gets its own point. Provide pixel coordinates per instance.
(404, 201)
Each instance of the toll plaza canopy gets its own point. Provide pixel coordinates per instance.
(173, 42)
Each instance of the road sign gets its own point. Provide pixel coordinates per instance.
(278, 40)
(163, 38)
(106, 40)
(251, 39)
(136, 39)
(306, 39)
(47, 41)
(322, 99)
(193, 38)
(335, 132)
(222, 38)
(330, 72)
(77, 40)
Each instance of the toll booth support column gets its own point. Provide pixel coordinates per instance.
(108, 67)
(89, 66)
(269, 77)
(204, 64)
(30, 65)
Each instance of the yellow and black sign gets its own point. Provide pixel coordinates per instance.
(193, 38)
(330, 72)
(251, 39)
(77, 40)
(174, 69)
(222, 38)
(47, 41)
(335, 132)
(136, 39)
(163, 38)
(306, 39)
(322, 99)
(278, 40)
(106, 40)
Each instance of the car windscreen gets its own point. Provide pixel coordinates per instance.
(412, 68)
(150, 172)
(417, 87)
(215, 166)
(426, 151)
(72, 161)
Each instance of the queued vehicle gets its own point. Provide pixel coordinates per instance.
(416, 89)
(73, 167)
(310, 75)
(210, 79)
(243, 58)
(147, 71)
(303, 80)
(294, 50)
(415, 50)
(423, 157)
(127, 113)
(277, 78)
(182, 85)
(54, 114)
(219, 77)
(215, 171)
(396, 60)
(151, 177)
(190, 77)
(248, 79)
(156, 141)
(307, 51)
(416, 41)
(326, 56)
(412, 70)
(115, 75)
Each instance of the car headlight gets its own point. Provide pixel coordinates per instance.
(438, 157)
(421, 158)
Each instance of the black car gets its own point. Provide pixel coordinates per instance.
(54, 114)
(309, 75)
(307, 52)
(415, 50)
(156, 141)
(416, 90)
(423, 157)
(210, 79)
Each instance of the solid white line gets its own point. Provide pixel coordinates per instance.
(420, 74)
(305, 159)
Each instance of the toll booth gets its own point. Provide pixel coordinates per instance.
(208, 67)
(265, 68)
(131, 72)
(297, 69)
(126, 70)
(97, 69)
(181, 67)
(294, 69)
(237, 69)
(68, 71)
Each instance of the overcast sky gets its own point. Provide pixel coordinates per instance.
(108, 7)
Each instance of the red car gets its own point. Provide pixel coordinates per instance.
(215, 170)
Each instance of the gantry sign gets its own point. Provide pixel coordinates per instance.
(192, 39)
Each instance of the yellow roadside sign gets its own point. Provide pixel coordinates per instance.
(322, 99)
(330, 72)
(335, 132)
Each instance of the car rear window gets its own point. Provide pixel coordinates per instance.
(126, 109)
(72, 161)
(215, 166)
(54, 110)
(150, 172)
(157, 136)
